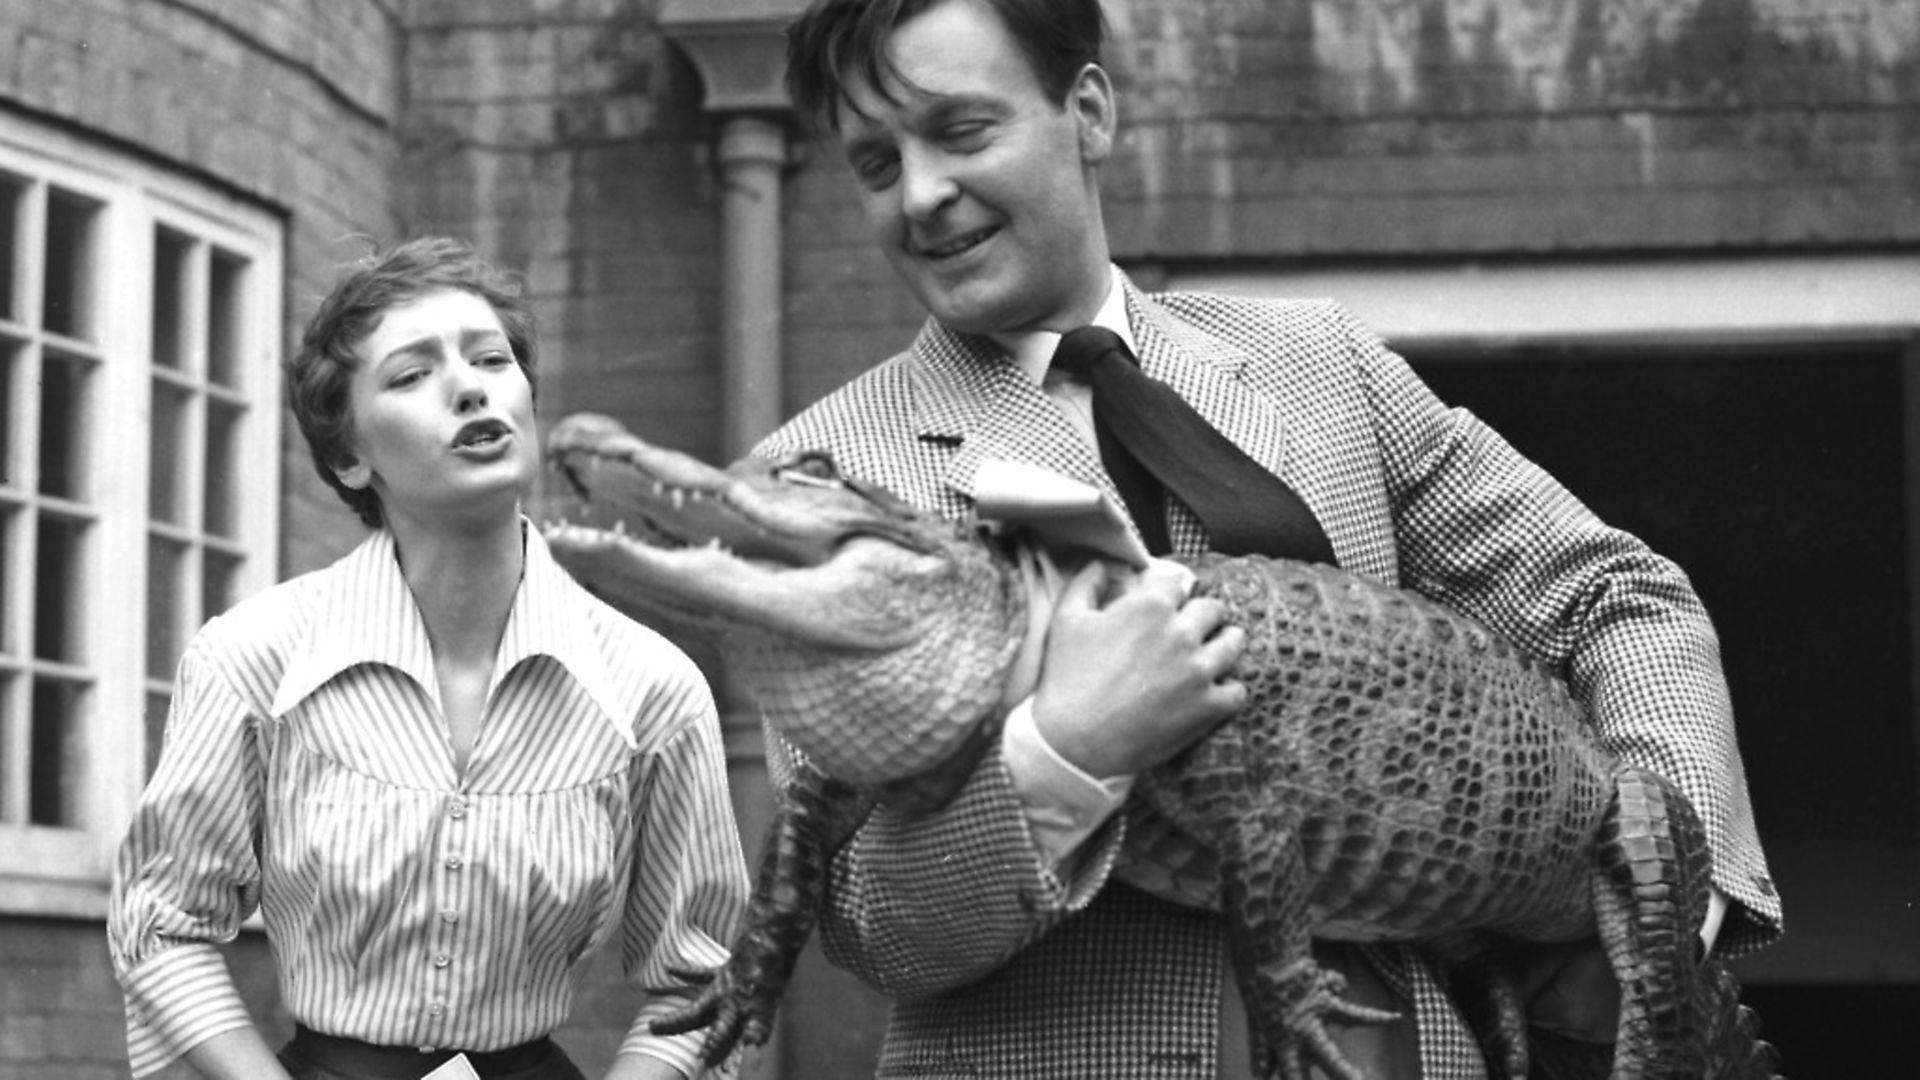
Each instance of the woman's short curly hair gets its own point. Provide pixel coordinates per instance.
(319, 376)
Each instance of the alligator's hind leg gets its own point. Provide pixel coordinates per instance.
(1289, 997)
(1650, 895)
(1481, 970)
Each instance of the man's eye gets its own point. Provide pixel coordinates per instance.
(877, 173)
(966, 134)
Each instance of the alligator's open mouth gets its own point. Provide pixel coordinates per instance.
(789, 546)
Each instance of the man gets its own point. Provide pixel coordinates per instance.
(1026, 929)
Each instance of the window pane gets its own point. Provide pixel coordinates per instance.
(67, 307)
(156, 727)
(13, 755)
(166, 564)
(170, 253)
(167, 454)
(12, 194)
(8, 646)
(225, 318)
(222, 489)
(63, 402)
(9, 370)
(55, 781)
(217, 579)
(57, 618)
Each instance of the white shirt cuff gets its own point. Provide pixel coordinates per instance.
(1063, 804)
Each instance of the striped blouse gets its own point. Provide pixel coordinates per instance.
(308, 772)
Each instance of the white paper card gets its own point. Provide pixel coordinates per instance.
(1061, 512)
(457, 1069)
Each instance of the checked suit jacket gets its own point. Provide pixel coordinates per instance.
(997, 967)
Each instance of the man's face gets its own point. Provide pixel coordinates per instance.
(980, 189)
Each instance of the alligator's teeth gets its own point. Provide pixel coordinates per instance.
(679, 498)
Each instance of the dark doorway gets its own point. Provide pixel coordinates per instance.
(1776, 477)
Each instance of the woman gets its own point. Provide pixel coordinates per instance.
(441, 770)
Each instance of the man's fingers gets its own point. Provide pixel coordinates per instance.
(1083, 589)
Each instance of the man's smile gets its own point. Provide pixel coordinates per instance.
(958, 244)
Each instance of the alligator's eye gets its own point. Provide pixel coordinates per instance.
(813, 467)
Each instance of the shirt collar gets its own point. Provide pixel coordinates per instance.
(365, 614)
(1033, 351)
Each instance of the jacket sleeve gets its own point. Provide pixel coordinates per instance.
(188, 873)
(1486, 531)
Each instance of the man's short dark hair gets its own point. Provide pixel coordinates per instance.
(319, 376)
(837, 42)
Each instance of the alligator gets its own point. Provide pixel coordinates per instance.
(1399, 772)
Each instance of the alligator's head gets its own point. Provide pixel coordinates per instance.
(877, 638)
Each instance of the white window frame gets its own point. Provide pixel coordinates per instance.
(63, 870)
(1727, 300)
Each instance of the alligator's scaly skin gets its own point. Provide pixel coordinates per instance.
(1399, 773)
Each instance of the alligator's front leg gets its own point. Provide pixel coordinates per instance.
(741, 997)
(1264, 890)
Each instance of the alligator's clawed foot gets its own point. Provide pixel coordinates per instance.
(733, 1014)
(1304, 996)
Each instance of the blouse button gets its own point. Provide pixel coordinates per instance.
(436, 1009)
(450, 915)
(453, 862)
(458, 810)
(442, 960)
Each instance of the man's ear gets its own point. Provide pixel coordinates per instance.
(1092, 103)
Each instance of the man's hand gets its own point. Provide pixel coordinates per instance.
(1134, 670)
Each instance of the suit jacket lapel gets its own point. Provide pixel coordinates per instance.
(968, 392)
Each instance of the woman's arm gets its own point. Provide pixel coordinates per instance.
(187, 874)
(239, 1054)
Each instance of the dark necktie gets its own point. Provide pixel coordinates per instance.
(1152, 442)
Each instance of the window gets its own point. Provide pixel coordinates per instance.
(139, 489)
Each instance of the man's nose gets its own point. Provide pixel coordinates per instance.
(926, 184)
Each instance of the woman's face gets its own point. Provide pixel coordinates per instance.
(443, 423)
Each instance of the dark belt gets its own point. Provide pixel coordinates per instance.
(355, 1058)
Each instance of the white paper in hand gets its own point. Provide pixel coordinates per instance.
(457, 1069)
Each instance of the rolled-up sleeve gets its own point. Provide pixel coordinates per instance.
(187, 874)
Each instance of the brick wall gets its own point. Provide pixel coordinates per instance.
(567, 140)
(1378, 127)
